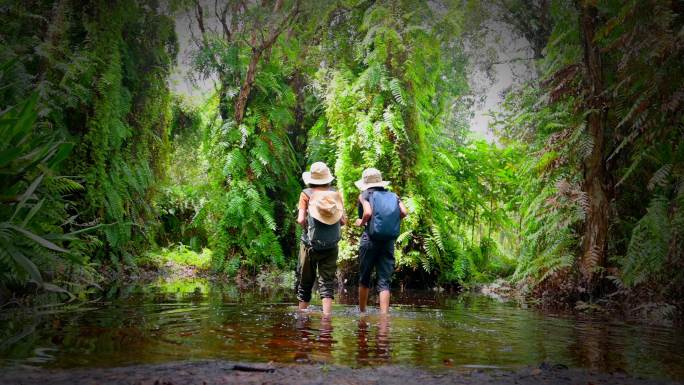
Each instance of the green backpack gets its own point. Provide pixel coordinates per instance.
(321, 236)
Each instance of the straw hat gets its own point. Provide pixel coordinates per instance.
(326, 206)
(371, 177)
(318, 174)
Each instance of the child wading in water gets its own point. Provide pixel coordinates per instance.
(380, 211)
(321, 213)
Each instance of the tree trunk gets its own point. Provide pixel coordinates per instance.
(257, 52)
(595, 175)
(246, 88)
(491, 214)
(472, 228)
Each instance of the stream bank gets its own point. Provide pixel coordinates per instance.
(227, 372)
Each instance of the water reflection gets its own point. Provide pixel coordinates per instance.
(172, 321)
(373, 345)
(592, 346)
(315, 345)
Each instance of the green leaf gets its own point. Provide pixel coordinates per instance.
(9, 155)
(32, 212)
(27, 194)
(82, 231)
(41, 241)
(26, 264)
(27, 116)
(7, 65)
(56, 289)
(62, 152)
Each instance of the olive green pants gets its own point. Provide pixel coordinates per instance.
(310, 260)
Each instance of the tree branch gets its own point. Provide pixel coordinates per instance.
(227, 35)
(291, 16)
(199, 15)
(257, 52)
(514, 60)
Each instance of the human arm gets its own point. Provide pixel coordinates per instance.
(403, 211)
(303, 206)
(343, 220)
(367, 212)
(301, 217)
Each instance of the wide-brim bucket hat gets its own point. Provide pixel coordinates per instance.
(326, 206)
(318, 174)
(371, 177)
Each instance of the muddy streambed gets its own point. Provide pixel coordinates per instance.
(198, 320)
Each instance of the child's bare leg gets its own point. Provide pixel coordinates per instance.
(363, 298)
(384, 301)
(327, 306)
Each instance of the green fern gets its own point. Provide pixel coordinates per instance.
(647, 253)
(397, 92)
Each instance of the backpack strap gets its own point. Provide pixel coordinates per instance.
(368, 194)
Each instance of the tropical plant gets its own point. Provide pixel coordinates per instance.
(100, 71)
(603, 186)
(35, 240)
(388, 106)
(253, 164)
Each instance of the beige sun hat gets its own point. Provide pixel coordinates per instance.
(318, 174)
(326, 206)
(371, 177)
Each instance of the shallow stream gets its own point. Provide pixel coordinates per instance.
(196, 319)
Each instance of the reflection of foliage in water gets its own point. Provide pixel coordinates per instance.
(173, 320)
(182, 287)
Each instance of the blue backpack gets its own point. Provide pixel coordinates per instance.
(386, 220)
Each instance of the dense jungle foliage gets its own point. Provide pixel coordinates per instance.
(85, 120)
(578, 199)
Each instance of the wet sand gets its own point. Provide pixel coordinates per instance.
(226, 372)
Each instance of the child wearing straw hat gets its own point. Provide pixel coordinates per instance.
(321, 213)
(380, 211)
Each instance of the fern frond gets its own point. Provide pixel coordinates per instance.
(404, 236)
(659, 178)
(397, 92)
(437, 237)
(649, 245)
(586, 146)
